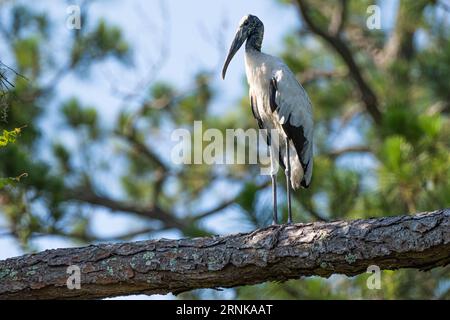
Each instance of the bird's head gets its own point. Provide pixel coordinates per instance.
(248, 25)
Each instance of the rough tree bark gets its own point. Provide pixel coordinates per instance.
(275, 253)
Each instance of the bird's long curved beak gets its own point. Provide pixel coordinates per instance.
(239, 39)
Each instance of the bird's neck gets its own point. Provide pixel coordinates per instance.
(254, 41)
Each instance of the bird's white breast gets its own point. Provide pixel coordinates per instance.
(260, 68)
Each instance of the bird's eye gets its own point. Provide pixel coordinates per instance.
(245, 22)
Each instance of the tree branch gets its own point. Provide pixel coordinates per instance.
(275, 253)
(338, 18)
(400, 43)
(335, 41)
(311, 75)
(351, 149)
(144, 150)
(361, 40)
(152, 212)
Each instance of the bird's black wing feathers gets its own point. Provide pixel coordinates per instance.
(295, 134)
(272, 93)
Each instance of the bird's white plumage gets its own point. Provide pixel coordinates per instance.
(292, 103)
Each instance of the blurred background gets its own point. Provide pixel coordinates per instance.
(96, 106)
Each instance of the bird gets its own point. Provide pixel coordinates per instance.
(280, 105)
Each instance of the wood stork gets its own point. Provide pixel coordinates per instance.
(278, 103)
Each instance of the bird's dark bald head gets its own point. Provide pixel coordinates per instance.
(251, 23)
(251, 29)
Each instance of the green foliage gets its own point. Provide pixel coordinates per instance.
(5, 138)
(78, 117)
(247, 197)
(104, 41)
(28, 55)
(11, 181)
(311, 288)
(9, 136)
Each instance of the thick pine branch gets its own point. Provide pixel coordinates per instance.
(275, 253)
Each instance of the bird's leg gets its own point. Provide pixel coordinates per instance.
(288, 181)
(274, 185)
